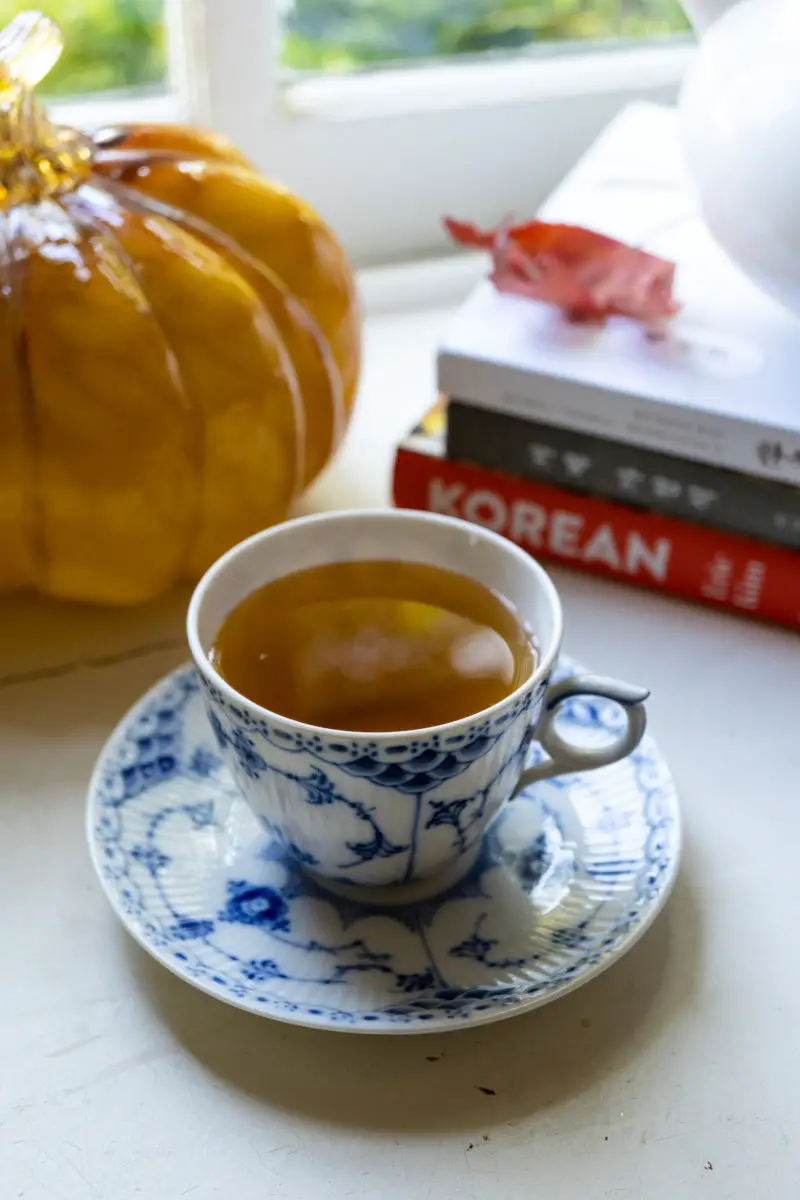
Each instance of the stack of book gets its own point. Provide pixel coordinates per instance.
(670, 459)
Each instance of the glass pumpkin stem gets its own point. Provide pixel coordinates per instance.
(37, 159)
(30, 46)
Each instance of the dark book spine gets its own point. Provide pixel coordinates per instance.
(589, 465)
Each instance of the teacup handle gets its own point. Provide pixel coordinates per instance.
(566, 757)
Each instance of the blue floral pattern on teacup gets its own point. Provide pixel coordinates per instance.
(373, 812)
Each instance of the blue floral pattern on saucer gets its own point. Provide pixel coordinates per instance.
(567, 878)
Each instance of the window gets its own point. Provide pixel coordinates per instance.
(109, 45)
(346, 35)
(386, 114)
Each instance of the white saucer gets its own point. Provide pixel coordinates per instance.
(569, 876)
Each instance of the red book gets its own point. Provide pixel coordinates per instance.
(604, 537)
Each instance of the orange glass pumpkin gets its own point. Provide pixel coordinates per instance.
(179, 346)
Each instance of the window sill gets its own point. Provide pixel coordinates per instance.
(470, 85)
(384, 155)
(417, 287)
(115, 108)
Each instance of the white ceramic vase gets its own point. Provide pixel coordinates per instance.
(740, 123)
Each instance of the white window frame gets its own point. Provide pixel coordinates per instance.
(384, 155)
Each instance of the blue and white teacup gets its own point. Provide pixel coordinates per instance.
(406, 810)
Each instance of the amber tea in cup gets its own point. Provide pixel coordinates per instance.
(374, 646)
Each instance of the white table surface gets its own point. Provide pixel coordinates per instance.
(674, 1076)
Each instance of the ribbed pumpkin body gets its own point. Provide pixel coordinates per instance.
(179, 348)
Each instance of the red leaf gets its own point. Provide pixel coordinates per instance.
(468, 235)
(586, 274)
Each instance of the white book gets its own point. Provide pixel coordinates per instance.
(722, 388)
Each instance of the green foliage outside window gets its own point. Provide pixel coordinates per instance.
(347, 34)
(115, 44)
